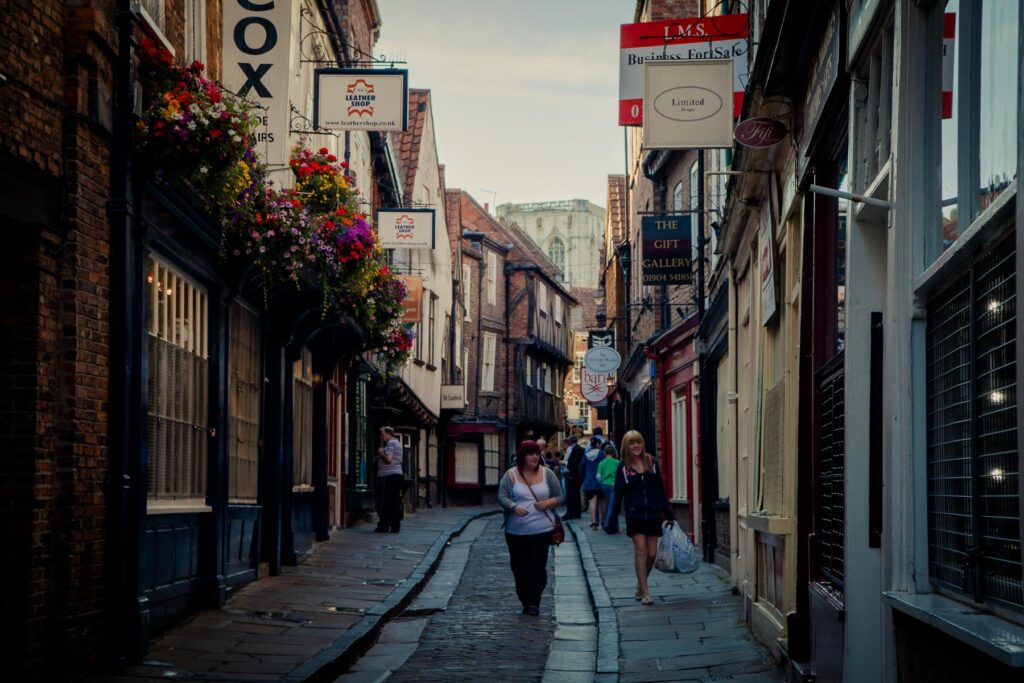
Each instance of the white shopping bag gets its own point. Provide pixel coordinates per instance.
(665, 561)
(684, 555)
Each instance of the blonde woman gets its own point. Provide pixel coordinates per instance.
(640, 492)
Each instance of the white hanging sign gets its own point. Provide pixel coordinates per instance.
(593, 385)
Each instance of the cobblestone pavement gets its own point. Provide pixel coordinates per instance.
(694, 631)
(483, 636)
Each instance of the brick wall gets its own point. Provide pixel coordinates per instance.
(55, 114)
(673, 9)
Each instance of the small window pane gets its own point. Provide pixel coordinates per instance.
(1000, 29)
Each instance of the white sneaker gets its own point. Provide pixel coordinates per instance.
(647, 600)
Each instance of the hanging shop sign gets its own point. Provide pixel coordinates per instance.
(593, 385)
(453, 397)
(678, 40)
(766, 265)
(602, 359)
(687, 104)
(667, 251)
(413, 302)
(760, 132)
(405, 228)
(361, 99)
(257, 37)
(823, 77)
(596, 338)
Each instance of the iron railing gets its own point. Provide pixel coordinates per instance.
(831, 471)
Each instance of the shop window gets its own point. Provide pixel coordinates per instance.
(360, 437)
(245, 383)
(974, 531)
(178, 431)
(467, 463)
(302, 421)
(979, 124)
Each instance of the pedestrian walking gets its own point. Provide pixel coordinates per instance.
(573, 502)
(591, 484)
(528, 494)
(606, 474)
(389, 482)
(640, 492)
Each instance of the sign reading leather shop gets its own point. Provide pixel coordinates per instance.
(256, 42)
(405, 228)
(361, 99)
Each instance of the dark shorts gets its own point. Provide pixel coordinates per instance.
(597, 493)
(645, 527)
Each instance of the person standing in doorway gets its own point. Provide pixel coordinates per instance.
(389, 478)
(528, 494)
(640, 492)
(573, 502)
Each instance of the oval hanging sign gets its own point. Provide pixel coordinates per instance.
(760, 132)
(602, 359)
(593, 385)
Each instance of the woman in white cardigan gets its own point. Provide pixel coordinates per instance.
(529, 494)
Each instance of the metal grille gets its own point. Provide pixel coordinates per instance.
(831, 471)
(177, 412)
(998, 462)
(244, 388)
(773, 463)
(302, 420)
(973, 463)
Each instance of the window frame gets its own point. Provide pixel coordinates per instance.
(492, 278)
(467, 291)
(488, 362)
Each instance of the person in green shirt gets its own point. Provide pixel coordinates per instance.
(606, 470)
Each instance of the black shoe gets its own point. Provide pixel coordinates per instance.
(380, 530)
(526, 610)
(533, 611)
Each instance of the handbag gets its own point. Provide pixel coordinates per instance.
(558, 533)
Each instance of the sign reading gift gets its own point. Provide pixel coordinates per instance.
(405, 228)
(667, 250)
(361, 99)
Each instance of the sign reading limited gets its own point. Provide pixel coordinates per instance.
(667, 251)
(687, 104)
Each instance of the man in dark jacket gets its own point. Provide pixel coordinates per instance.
(573, 503)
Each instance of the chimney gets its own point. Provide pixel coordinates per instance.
(487, 208)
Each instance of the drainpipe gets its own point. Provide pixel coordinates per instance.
(126, 631)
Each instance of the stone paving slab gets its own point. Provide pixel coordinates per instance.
(297, 625)
(693, 631)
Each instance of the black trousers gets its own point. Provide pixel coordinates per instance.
(573, 504)
(390, 511)
(528, 556)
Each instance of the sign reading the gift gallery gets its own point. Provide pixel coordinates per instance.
(688, 104)
(405, 228)
(667, 251)
(257, 36)
(361, 99)
(678, 40)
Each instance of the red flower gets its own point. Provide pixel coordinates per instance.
(216, 133)
(323, 150)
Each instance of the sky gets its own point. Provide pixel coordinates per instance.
(524, 93)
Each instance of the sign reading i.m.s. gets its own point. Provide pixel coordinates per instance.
(667, 254)
(257, 34)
